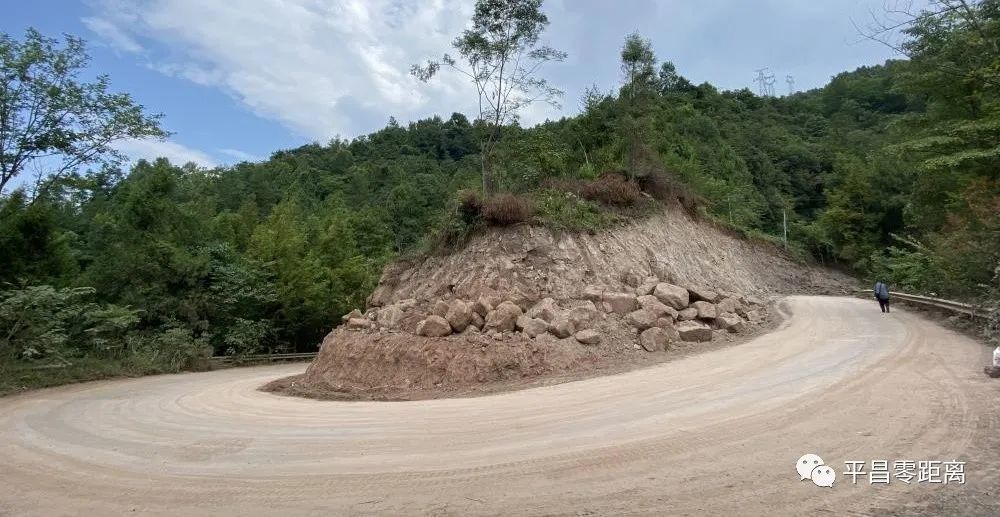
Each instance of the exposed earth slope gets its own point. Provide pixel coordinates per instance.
(528, 303)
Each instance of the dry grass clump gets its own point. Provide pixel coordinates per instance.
(612, 189)
(507, 209)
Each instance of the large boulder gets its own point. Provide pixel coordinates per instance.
(588, 337)
(459, 315)
(547, 309)
(706, 310)
(672, 295)
(687, 314)
(440, 308)
(755, 316)
(704, 294)
(694, 331)
(562, 328)
(654, 339)
(729, 321)
(359, 323)
(583, 317)
(390, 316)
(532, 326)
(728, 304)
(753, 300)
(503, 318)
(434, 326)
(654, 305)
(620, 303)
(642, 319)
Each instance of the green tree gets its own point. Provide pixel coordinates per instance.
(502, 55)
(49, 116)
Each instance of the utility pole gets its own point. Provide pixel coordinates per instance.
(791, 84)
(784, 226)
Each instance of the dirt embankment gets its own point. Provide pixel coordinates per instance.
(521, 306)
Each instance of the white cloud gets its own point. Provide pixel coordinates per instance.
(321, 68)
(114, 36)
(241, 156)
(340, 67)
(150, 149)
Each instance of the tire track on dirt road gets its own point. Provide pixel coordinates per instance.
(711, 433)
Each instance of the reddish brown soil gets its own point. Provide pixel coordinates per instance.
(356, 365)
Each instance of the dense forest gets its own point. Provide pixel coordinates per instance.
(887, 171)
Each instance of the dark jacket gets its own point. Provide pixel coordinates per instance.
(881, 291)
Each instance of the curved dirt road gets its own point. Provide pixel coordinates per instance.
(713, 433)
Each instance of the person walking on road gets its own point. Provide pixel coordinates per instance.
(882, 295)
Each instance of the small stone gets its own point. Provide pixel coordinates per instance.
(703, 294)
(654, 339)
(359, 323)
(583, 317)
(694, 331)
(532, 326)
(434, 326)
(440, 308)
(354, 314)
(642, 319)
(459, 315)
(620, 303)
(706, 310)
(390, 316)
(672, 295)
(654, 305)
(588, 337)
(687, 314)
(562, 328)
(730, 322)
(728, 305)
(504, 317)
(547, 309)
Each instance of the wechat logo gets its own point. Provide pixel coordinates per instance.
(811, 466)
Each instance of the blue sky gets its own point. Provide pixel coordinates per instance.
(239, 80)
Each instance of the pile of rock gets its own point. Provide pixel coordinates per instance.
(495, 317)
(660, 313)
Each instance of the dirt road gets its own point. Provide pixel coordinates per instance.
(709, 434)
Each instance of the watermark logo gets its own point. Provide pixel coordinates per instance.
(811, 466)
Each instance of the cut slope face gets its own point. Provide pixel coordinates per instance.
(523, 303)
(539, 262)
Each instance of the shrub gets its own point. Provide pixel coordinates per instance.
(470, 205)
(666, 186)
(507, 209)
(566, 211)
(612, 189)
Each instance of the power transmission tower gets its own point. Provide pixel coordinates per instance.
(791, 84)
(765, 82)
